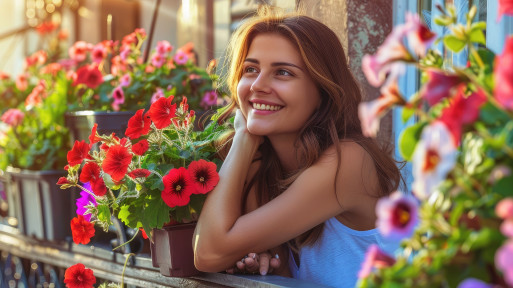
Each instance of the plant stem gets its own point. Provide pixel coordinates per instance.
(476, 56)
(88, 191)
(124, 267)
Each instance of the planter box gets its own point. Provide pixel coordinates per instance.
(80, 123)
(43, 210)
(171, 250)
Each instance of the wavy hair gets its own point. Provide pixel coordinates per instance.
(336, 119)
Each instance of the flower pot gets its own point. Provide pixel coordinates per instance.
(171, 250)
(80, 123)
(43, 209)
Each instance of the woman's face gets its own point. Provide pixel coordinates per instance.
(276, 93)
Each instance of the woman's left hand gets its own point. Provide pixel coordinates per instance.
(264, 263)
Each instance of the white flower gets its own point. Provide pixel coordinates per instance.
(434, 157)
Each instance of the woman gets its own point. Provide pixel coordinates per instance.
(298, 169)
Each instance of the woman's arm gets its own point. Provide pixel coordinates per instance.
(223, 235)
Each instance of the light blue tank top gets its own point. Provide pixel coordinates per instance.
(336, 257)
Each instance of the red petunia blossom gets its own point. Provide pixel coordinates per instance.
(139, 173)
(178, 187)
(81, 230)
(505, 7)
(138, 125)
(62, 181)
(162, 111)
(90, 172)
(439, 86)
(94, 137)
(77, 276)
(78, 153)
(89, 75)
(204, 175)
(144, 235)
(140, 147)
(116, 162)
(99, 188)
(503, 74)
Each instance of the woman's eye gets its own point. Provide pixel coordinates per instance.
(250, 70)
(284, 73)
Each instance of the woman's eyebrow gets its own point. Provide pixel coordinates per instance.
(274, 64)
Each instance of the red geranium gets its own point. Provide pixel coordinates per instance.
(116, 162)
(140, 147)
(78, 153)
(178, 187)
(81, 230)
(503, 74)
(90, 172)
(138, 125)
(89, 75)
(94, 137)
(77, 276)
(204, 175)
(99, 187)
(139, 173)
(162, 111)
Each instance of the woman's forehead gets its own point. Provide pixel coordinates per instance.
(274, 46)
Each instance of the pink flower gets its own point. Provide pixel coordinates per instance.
(99, 53)
(503, 74)
(158, 60)
(505, 7)
(78, 51)
(159, 93)
(89, 75)
(504, 208)
(507, 227)
(434, 157)
(499, 172)
(180, 58)
(22, 82)
(419, 36)
(125, 80)
(462, 110)
(439, 86)
(371, 112)
(13, 117)
(385, 62)
(504, 261)
(164, 47)
(118, 95)
(397, 215)
(374, 258)
(209, 98)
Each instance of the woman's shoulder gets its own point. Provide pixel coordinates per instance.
(350, 152)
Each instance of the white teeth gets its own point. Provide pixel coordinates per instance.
(258, 106)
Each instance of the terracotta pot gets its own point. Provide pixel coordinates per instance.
(171, 250)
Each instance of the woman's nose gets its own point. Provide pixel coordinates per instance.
(261, 84)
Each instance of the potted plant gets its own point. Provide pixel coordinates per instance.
(456, 226)
(111, 80)
(154, 178)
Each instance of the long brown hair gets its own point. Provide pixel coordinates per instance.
(335, 120)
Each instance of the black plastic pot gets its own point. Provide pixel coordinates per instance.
(80, 123)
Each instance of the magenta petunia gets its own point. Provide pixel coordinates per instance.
(397, 215)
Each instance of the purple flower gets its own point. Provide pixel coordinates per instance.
(397, 215)
(473, 283)
(125, 80)
(180, 58)
(209, 98)
(85, 200)
(504, 261)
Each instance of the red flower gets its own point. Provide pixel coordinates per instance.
(81, 230)
(77, 276)
(138, 125)
(89, 75)
(462, 110)
(505, 7)
(116, 162)
(62, 181)
(204, 175)
(162, 111)
(94, 137)
(439, 86)
(503, 74)
(140, 147)
(178, 187)
(78, 153)
(99, 187)
(139, 173)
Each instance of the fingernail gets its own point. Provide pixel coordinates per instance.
(254, 256)
(263, 272)
(277, 256)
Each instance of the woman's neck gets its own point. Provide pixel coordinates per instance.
(284, 147)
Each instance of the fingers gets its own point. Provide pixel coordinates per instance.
(275, 262)
(251, 262)
(264, 263)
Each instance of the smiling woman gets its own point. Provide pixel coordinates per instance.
(299, 179)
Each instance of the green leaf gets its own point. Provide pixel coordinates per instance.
(477, 36)
(453, 43)
(407, 113)
(156, 213)
(103, 213)
(408, 140)
(504, 186)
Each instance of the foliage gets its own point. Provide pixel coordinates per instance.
(460, 148)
